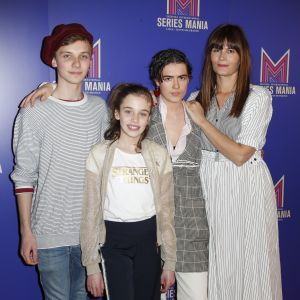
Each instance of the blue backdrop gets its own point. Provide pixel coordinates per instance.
(127, 34)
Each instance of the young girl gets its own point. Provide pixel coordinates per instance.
(129, 205)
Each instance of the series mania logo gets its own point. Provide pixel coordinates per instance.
(275, 76)
(171, 293)
(182, 15)
(93, 84)
(279, 191)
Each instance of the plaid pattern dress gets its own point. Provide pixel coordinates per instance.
(190, 217)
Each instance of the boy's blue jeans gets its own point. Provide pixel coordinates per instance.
(61, 273)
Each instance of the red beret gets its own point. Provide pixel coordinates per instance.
(52, 42)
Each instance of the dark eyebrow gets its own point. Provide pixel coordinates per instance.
(182, 75)
(132, 108)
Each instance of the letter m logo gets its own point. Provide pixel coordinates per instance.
(271, 72)
(95, 70)
(183, 7)
(279, 191)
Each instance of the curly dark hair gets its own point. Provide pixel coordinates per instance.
(166, 57)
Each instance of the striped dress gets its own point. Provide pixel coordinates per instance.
(51, 144)
(241, 208)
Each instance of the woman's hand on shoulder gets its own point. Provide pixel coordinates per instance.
(195, 110)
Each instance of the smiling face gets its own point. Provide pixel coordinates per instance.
(134, 115)
(225, 61)
(174, 82)
(72, 62)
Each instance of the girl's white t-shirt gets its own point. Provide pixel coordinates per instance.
(129, 193)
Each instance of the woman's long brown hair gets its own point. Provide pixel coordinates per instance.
(235, 38)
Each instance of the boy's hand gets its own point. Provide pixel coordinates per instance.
(43, 92)
(154, 98)
(28, 249)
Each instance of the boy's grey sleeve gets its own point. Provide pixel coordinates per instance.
(105, 121)
(26, 152)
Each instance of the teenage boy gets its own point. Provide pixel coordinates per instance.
(51, 143)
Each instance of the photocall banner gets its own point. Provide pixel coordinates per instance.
(126, 35)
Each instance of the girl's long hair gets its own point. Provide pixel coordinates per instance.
(235, 38)
(116, 97)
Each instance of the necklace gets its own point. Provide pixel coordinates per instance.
(72, 100)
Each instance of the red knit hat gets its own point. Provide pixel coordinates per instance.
(52, 42)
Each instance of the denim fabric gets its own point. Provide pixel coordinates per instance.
(61, 273)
